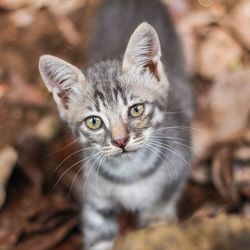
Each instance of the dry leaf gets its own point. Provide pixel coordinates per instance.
(218, 54)
(239, 20)
(223, 112)
(187, 28)
(8, 159)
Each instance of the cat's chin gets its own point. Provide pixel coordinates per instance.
(126, 152)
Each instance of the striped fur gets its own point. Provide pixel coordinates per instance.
(148, 174)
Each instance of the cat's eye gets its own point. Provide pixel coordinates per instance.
(136, 110)
(93, 122)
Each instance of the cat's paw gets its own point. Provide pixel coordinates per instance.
(103, 245)
(157, 222)
(162, 222)
(154, 219)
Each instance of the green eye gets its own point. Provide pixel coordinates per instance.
(93, 122)
(136, 110)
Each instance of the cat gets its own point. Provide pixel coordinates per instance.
(131, 114)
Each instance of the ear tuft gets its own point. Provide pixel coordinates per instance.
(61, 78)
(56, 73)
(143, 49)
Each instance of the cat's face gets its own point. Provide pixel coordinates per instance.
(121, 110)
(115, 105)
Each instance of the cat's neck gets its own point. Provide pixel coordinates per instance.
(129, 167)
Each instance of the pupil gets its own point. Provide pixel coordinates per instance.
(94, 121)
(136, 109)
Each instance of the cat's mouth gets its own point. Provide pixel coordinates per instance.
(131, 150)
(126, 151)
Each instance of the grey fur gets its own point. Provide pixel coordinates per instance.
(150, 176)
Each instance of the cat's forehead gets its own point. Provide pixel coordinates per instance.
(106, 83)
(112, 89)
(104, 74)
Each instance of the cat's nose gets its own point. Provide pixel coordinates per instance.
(121, 143)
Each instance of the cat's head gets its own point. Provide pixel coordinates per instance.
(115, 104)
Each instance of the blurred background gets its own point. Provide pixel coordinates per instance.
(40, 190)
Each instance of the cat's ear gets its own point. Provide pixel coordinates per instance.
(62, 79)
(143, 50)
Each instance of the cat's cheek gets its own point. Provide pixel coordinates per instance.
(140, 124)
(82, 138)
(157, 117)
(147, 133)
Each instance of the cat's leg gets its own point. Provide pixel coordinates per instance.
(163, 211)
(159, 213)
(100, 226)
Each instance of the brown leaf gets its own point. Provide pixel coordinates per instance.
(222, 174)
(14, 4)
(239, 20)
(8, 159)
(188, 28)
(218, 54)
(49, 240)
(223, 112)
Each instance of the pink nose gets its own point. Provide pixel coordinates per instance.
(121, 143)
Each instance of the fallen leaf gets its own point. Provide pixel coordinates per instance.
(8, 159)
(218, 54)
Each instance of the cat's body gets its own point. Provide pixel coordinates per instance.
(131, 115)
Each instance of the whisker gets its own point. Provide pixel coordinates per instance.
(139, 139)
(152, 145)
(87, 176)
(60, 164)
(89, 158)
(176, 175)
(180, 127)
(159, 136)
(176, 142)
(67, 170)
(174, 112)
(61, 149)
(171, 150)
(98, 167)
(106, 150)
(152, 149)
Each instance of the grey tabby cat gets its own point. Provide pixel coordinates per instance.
(131, 114)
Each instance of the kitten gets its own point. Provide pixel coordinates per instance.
(131, 114)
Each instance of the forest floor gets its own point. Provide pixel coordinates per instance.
(40, 194)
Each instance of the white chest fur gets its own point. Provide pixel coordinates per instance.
(138, 195)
